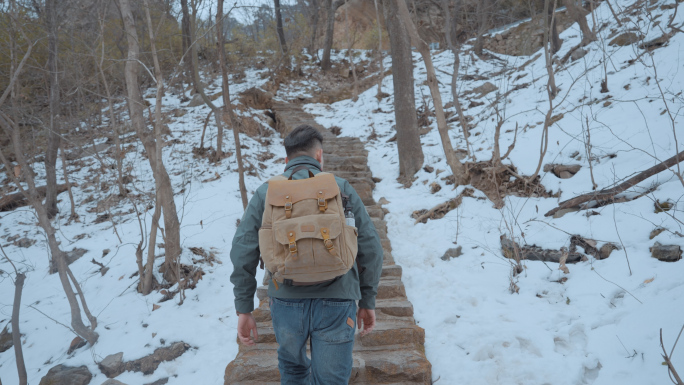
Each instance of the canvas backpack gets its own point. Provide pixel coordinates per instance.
(304, 239)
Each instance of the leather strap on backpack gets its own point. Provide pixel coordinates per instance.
(299, 168)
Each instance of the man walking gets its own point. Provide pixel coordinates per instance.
(316, 264)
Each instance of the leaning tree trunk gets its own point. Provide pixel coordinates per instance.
(382, 69)
(228, 107)
(551, 26)
(482, 25)
(279, 28)
(165, 189)
(53, 133)
(58, 256)
(578, 14)
(330, 7)
(408, 140)
(457, 168)
(455, 47)
(16, 335)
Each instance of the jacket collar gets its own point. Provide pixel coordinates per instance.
(303, 160)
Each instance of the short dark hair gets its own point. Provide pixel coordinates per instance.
(302, 140)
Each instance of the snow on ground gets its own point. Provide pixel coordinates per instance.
(601, 326)
(127, 321)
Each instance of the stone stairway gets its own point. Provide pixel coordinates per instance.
(394, 352)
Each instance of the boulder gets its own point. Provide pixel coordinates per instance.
(624, 39)
(67, 375)
(257, 99)
(112, 365)
(148, 364)
(451, 253)
(196, 101)
(484, 89)
(666, 253)
(578, 54)
(5, 339)
(112, 381)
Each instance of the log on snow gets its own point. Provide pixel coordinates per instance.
(607, 195)
(12, 201)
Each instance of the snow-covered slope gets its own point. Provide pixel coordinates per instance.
(601, 326)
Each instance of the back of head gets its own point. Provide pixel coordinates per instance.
(303, 140)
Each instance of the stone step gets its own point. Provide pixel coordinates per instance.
(382, 366)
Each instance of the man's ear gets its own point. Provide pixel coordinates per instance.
(287, 160)
(319, 155)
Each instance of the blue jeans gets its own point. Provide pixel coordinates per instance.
(329, 324)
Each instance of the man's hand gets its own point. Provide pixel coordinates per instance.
(365, 318)
(247, 324)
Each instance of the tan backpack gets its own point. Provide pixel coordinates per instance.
(304, 239)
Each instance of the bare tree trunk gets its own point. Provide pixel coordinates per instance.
(73, 216)
(548, 55)
(165, 189)
(457, 168)
(331, 7)
(350, 43)
(86, 310)
(147, 277)
(279, 28)
(228, 107)
(408, 140)
(187, 41)
(551, 25)
(16, 335)
(54, 131)
(456, 49)
(314, 27)
(482, 25)
(578, 14)
(380, 64)
(615, 16)
(58, 256)
(118, 154)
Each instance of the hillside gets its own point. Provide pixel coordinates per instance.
(597, 323)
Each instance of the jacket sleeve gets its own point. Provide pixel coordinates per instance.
(370, 254)
(245, 255)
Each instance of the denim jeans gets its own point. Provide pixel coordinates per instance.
(329, 325)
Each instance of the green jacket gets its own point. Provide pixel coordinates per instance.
(360, 283)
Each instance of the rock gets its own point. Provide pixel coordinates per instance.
(196, 101)
(428, 168)
(113, 382)
(654, 233)
(578, 54)
(161, 381)
(451, 253)
(112, 365)
(344, 72)
(666, 253)
(5, 339)
(624, 39)
(484, 89)
(24, 242)
(606, 249)
(76, 343)
(256, 98)
(562, 171)
(67, 375)
(148, 364)
(434, 187)
(71, 256)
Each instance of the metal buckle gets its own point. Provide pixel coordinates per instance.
(328, 244)
(288, 206)
(293, 247)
